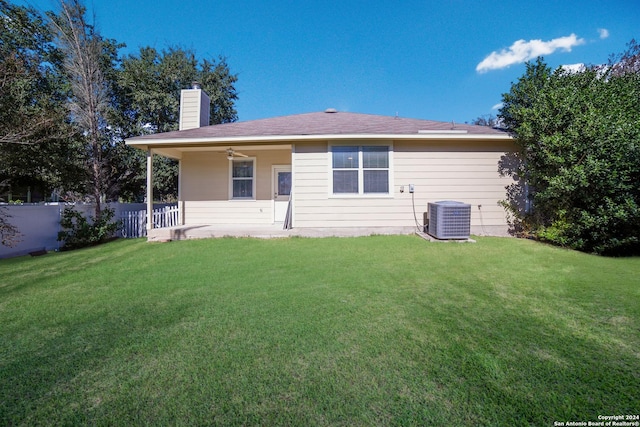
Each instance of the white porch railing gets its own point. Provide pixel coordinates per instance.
(165, 217)
(134, 223)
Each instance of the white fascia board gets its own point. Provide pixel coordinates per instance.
(301, 138)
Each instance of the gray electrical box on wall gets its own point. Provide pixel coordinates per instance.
(449, 220)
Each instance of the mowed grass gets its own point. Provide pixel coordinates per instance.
(380, 330)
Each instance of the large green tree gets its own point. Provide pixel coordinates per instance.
(488, 120)
(150, 83)
(35, 137)
(153, 80)
(68, 100)
(579, 139)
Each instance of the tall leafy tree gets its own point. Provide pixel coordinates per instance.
(35, 138)
(153, 80)
(579, 139)
(27, 77)
(150, 83)
(68, 100)
(488, 120)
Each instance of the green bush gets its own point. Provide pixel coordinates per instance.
(81, 232)
(579, 153)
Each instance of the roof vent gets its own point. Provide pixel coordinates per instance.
(195, 85)
(442, 131)
(330, 110)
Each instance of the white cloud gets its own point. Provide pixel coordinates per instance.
(497, 106)
(574, 68)
(604, 33)
(523, 50)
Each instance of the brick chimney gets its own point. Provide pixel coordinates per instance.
(194, 108)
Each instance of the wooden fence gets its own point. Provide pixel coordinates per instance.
(134, 223)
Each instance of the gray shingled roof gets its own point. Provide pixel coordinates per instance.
(322, 123)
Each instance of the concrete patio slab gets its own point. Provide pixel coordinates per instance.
(262, 231)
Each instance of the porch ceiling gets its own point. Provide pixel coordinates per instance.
(176, 152)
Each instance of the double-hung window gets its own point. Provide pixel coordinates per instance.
(242, 179)
(360, 169)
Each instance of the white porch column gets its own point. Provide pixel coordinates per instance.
(180, 202)
(149, 189)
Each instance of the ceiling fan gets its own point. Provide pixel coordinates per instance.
(231, 153)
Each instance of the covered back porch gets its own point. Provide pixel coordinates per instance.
(228, 185)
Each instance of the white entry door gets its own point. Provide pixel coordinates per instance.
(281, 191)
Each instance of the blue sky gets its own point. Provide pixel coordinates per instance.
(447, 60)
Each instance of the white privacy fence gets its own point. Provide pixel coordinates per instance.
(39, 224)
(134, 223)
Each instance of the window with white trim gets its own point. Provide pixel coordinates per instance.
(243, 179)
(360, 169)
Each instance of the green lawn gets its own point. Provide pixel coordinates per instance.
(380, 330)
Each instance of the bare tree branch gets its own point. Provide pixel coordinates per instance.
(82, 46)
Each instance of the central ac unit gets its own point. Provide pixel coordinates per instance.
(449, 220)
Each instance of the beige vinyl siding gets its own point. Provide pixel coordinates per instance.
(228, 212)
(194, 110)
(310, 177)
(265, 160)
(451, 170)
(205, 176)
(314, 206)
(466, 172)
(205, 188)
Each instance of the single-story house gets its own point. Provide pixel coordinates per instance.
(330, 169)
